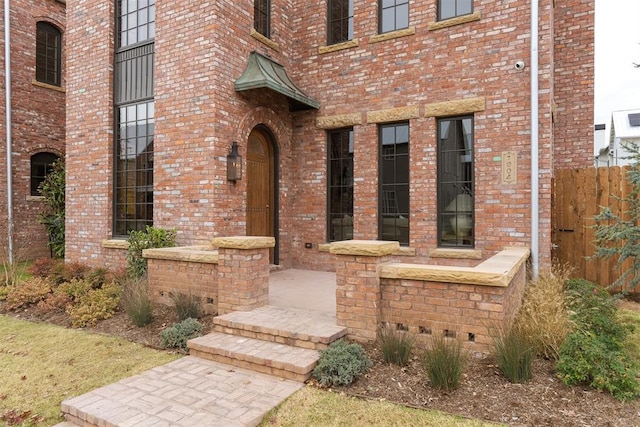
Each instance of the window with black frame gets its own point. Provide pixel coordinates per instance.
(339, 21)
(448, 9)
(41, 166)
(393, 177)
(48, 54)
(262, 17)
(340, 183)
(135, 112)
(393, 15)
(455, 182)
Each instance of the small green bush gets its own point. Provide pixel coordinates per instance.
(516, 352)
(136, 302)
(177, 335)
(75, 288)
(95, 305)
(139, 240)
(341, 363)
(594, 353)
(396, 344)
(27, 292)
(444, 360)
(52, 190)
(186, 305)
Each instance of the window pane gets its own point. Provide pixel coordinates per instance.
(402, 16)
(465, 7)
(447, 9)
(340, 181)
(393, 214)
(388, 24)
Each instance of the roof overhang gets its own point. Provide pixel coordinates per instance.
(264, 72)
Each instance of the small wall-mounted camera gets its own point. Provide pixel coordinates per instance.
(519, 65)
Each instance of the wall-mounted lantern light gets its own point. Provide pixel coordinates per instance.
(234, 164)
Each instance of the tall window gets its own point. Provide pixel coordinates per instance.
(393, 218)
(262, 17)
(137, 21)
(340, 182)
(455, 182)
(340, 21)
(394, 15)
(133, 99)
(41, 165)
(448, 9)
(48, 54)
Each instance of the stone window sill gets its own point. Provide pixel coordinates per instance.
(338, 46)
(265, 40)
(458, 20)
(48, 86)
(392, 35)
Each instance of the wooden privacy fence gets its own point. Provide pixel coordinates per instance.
(579, 195)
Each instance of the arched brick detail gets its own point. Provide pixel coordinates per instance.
(267, 117)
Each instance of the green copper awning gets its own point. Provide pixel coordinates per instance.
(263, 72)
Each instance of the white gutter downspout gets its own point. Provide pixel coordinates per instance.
(7, 77)
(535, 204)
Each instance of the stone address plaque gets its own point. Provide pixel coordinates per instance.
(509, 167)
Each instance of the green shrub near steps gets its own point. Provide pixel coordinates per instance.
(341, 363)
(177, 335)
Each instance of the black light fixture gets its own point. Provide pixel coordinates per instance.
(234, 164)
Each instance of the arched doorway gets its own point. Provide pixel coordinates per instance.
(261, 187)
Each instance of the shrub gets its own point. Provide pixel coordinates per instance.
(186, 305)
(42, 267)
(177, 335)
(28, 292)
(543, 315)
(444, 360)
(95, 305)
(594, 353)
(515, 351)
(396, 344)
(140, 240)
(136, 302)
(74, 289)
(341, 363)
(52, 190)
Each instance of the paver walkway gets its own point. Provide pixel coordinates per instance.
(187, 392)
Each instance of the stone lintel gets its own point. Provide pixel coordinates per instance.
(115, 244)
(244, 242)
(374, 248)
(393, 114)
(457, 107)
(200, 253)
(338, 121)
(499, 270)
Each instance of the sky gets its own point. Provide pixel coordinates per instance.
(617, 47)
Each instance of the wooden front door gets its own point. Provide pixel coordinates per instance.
(260, 187)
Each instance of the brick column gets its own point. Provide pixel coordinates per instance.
(243, 272)
(358, 298)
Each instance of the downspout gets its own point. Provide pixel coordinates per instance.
(535, 203)
(7, 85)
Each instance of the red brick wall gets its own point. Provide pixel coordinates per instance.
(201, 49)
(574, 83)
(38, 122)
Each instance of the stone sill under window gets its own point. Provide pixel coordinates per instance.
(392, 35)
(338, 46)
(48, 86)
(402, 250)
(265, 40)
(31, 198)
(458, 20)
(115, 244)
(456, 253)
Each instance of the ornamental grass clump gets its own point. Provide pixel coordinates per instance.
(396, 344)
(543, 316)
(341, 363)
(444, 360)
(515, 352)
(136, 301)
(187, 305)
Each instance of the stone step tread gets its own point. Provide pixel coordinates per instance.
(259, 352)
(287, 322)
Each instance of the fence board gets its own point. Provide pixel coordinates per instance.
(578, 195)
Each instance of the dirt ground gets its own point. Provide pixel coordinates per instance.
(483, 394)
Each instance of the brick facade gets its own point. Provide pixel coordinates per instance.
(427, 71)
(38, 122)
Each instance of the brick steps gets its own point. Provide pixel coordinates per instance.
(290, 326)
(284, 361)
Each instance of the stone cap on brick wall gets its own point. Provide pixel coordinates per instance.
(197, 253)
(244, 242)
(499, 270)
(364, 247)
